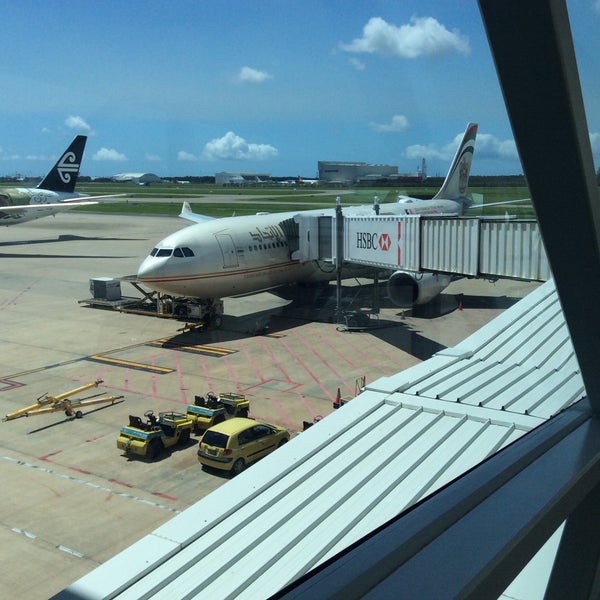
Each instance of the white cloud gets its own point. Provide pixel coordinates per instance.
(234, 147)
(153, 157)
(398, 123)
(359, 65)
(597, 5)
(250, 75)
(185, 156)
(595, 138)
(487, 146)
(109, 154)
(422, 37)
(78, 124)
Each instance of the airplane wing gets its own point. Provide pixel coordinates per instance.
(187, 213)
(65, 204)
(502, 203)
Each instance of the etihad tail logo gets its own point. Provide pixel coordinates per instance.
(67, 166)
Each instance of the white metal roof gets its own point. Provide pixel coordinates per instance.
(402, 438)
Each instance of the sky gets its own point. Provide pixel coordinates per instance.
(195, 87)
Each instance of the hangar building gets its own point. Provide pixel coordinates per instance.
(240, 178)
(140, 178)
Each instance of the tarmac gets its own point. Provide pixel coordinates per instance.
(70, 499)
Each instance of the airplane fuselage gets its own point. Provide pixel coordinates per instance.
(238, 255)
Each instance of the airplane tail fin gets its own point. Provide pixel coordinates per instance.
(63, 175)
(457, 180)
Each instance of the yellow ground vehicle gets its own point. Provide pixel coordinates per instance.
(238, 442)
(150, 438)
(48, 404)
(206, 412)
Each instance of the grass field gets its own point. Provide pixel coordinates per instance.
(166, 199)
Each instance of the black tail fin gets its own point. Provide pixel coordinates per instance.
(63, 175)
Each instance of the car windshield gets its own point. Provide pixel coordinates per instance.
(214, 438)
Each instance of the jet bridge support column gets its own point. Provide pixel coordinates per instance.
(339, 257)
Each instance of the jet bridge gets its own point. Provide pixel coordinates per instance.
(474, 247)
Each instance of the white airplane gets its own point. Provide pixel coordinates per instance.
(53, 194)
(218, 258)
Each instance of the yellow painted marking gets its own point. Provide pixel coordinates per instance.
(196, 348)
(130, 364)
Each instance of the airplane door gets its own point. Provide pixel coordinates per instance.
(227, 246)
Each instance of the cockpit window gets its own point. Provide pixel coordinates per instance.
(166, 252)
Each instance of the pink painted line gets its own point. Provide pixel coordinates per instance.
(10, 385)
(251, 361)
(165, 496)
(98, 437)
(209, 382)
(282, 412)
(46, 457)
(153, 376)
(231, 372)
(79, 470)
(128, 485)
(180, 377)
(323, 360)
(377, 351)
(274, 359)
(306, 368)
(338, 341)
(306, 405)
(126, 380)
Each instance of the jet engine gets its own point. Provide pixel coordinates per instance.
(407, 289)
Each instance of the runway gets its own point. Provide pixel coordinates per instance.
(70, 499)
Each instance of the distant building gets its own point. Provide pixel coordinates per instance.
(138, 178)
(241, 178)
(357, 172)
(352, 172)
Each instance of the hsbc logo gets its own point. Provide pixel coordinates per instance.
(372, 241)
(385, 242)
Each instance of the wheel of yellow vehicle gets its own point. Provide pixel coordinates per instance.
(238, 466)
(154, 448)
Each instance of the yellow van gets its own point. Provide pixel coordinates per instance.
(234, 444)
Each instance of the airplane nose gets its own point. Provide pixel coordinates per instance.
(147, 269)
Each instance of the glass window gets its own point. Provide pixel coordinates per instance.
(188, 252)
(214, 438)
(164, 252)
(178, 252)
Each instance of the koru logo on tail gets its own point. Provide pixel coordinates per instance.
(67, 166)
